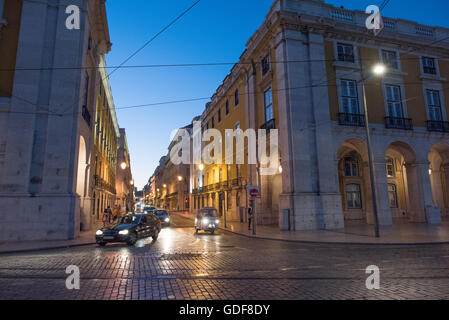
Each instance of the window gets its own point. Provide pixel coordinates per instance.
(345, 52)
(351, 167)
(236, 97)
(213, 122)
(390, 168)
(349, 96)
(429, 65)
(434, 103)
(268, 103)
(390, 59)
(394, 102)
(265, 65)
(227, 107)
(219, 115)
(86, 91)
(393, 195)
(353, 196)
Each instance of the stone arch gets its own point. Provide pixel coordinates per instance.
(405, 182)
(354, 181)
(439, 177)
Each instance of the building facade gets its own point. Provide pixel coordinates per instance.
(302, 74)
(124, 180)
(47, 101)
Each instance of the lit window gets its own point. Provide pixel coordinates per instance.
(353, 196)
(393, 195)
(391, 171)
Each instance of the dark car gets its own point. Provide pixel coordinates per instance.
(129, 229)
(148, 209)
(163, 216)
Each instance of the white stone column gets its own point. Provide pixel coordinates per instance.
(383, 201)
(428, 210)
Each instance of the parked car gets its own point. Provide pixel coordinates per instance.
(164, 217)
(207, 220)
(148, 209)
(129, 229)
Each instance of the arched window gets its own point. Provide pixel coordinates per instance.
(351, 167)
(353, 196)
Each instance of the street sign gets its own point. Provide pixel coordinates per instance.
(253, 191)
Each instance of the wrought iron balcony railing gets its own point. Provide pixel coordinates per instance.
(398, 123)
(438, 126)
(351, 119)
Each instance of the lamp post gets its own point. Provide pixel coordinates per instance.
(378, 70)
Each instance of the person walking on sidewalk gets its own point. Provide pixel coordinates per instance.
(250, 217)
(107, 216)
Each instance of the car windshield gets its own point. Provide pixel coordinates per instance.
(210, 213)
(160, 213)
(131, 219)
(148, 208)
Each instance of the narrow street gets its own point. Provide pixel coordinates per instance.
(182, 265)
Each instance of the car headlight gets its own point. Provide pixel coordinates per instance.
(206, 221)
(123, 232)
(167, 219)
(99, 233)
(217, 221)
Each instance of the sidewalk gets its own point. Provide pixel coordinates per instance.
(86, 238)
(398, 234)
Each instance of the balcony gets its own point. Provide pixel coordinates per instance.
(271, 124)
(86, 116)
(351, 119)
(398, 123)
(438, 126)
(103, 185)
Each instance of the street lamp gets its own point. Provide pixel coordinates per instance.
(201, 167)
(378, 70)
(123, 165)
(179, 178)
(131, 182)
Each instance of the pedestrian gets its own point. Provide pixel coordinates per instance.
(106, 218)
(115, 214)
(250, 217)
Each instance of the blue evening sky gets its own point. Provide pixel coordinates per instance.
(214, 31)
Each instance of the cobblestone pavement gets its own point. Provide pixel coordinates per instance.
(182, 265)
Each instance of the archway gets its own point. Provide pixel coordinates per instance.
(403, 183)
(439, 177)
(82, 185)
(354, 181)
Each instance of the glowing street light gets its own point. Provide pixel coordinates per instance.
(179, 178)
(379, 69)
(131, 182)
(201, 167)
(123, 165)
(165, 186)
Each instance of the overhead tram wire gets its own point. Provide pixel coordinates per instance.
(155, 37)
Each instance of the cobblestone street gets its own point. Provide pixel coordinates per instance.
(182, 265)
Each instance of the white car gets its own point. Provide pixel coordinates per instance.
(207, 220)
